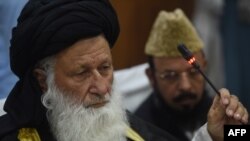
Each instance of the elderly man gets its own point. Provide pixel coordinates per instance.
(60, 50)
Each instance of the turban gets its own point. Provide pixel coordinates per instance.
(169, 30)
(46, 27)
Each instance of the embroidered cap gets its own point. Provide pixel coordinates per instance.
(169, 30)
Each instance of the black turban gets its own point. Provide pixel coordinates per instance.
(46, 27)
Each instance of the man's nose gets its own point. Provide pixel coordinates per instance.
(100, 84)
(184, 82)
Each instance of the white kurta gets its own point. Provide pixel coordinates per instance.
(202, 134)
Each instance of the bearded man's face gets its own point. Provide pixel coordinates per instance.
(85, 70)
(79, 99)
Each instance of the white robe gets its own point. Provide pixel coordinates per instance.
(202, 134)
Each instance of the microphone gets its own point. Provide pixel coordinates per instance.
(192, 61)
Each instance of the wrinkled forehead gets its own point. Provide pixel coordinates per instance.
(86, 52)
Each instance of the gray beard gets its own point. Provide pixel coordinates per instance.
(74, 122)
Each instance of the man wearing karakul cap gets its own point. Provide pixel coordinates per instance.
(60, 50)
(179, 102)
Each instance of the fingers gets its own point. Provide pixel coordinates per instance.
(239, 112)
(226, 109)
(225, 96)
(217, 110)
(233, 108)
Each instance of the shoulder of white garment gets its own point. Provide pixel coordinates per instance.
(202, 134)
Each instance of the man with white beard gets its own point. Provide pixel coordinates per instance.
(61, 52)
(80, 121)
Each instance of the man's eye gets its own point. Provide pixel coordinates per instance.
(172, 73)
(105, 67)
(169, 75)
(82, 72)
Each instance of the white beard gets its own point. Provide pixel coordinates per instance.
(74, 122)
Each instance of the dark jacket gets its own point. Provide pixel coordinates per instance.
(156, 112)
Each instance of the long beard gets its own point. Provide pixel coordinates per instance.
(74, 122)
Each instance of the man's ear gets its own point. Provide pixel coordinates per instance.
(41, 78)
(150, 75)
